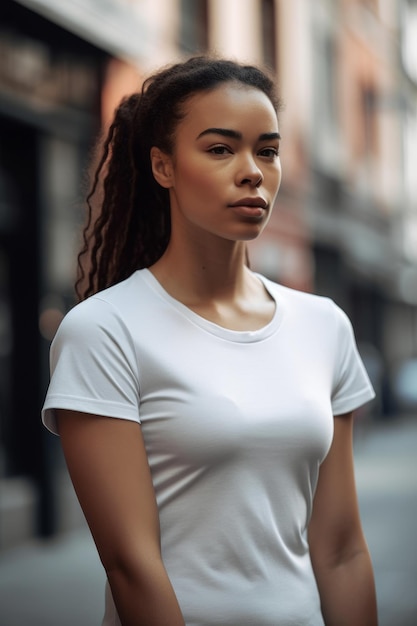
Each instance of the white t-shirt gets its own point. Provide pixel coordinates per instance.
(235, 425)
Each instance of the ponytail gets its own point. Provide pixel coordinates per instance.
(123, 232)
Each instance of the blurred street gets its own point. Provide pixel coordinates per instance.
(386, 472)
(344, 226)
(60, 583)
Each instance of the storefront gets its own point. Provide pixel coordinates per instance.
(51, 71)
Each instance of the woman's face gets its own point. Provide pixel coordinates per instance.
(225, 170)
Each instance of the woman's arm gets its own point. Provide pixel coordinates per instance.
(108, 465)
(339, 552)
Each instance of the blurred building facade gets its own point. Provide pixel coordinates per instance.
(345, 222)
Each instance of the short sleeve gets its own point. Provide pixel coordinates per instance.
(351, 385)
(93, 365)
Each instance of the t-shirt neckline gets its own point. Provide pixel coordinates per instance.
(238, 336)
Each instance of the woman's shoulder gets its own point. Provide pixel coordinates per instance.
(103, 310)
(308, 305)
(297, 296)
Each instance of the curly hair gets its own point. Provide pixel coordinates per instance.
(128, 214)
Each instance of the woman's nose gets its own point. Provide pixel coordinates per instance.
(249, 173)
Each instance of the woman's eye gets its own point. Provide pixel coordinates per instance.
(270, 152)
(219, 150)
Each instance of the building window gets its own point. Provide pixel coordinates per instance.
(269, 42)
(194, 26)
(328, 151)
(371, 4)
(369, 121)
(328, 72)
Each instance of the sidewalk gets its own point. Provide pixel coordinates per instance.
(54, 583)
(386, 474)
(61, 582)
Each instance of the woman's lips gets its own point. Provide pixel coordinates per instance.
(249, 207)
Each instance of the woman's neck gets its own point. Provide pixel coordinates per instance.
(216, 283)
(197, 272)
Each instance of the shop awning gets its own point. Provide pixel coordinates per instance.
(115, 27)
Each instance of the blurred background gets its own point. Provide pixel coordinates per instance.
(345, 226)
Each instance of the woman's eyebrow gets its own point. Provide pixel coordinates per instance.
(234, 134)
(269, 136)
(225, 132)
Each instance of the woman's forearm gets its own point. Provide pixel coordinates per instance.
(145, 599)
(347, 592)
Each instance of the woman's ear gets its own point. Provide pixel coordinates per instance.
(161, 167)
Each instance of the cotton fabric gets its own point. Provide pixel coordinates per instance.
(236, 425)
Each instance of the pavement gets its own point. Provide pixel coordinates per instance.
(61, 582)
(386, 475)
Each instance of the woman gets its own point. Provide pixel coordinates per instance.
(195, 398)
